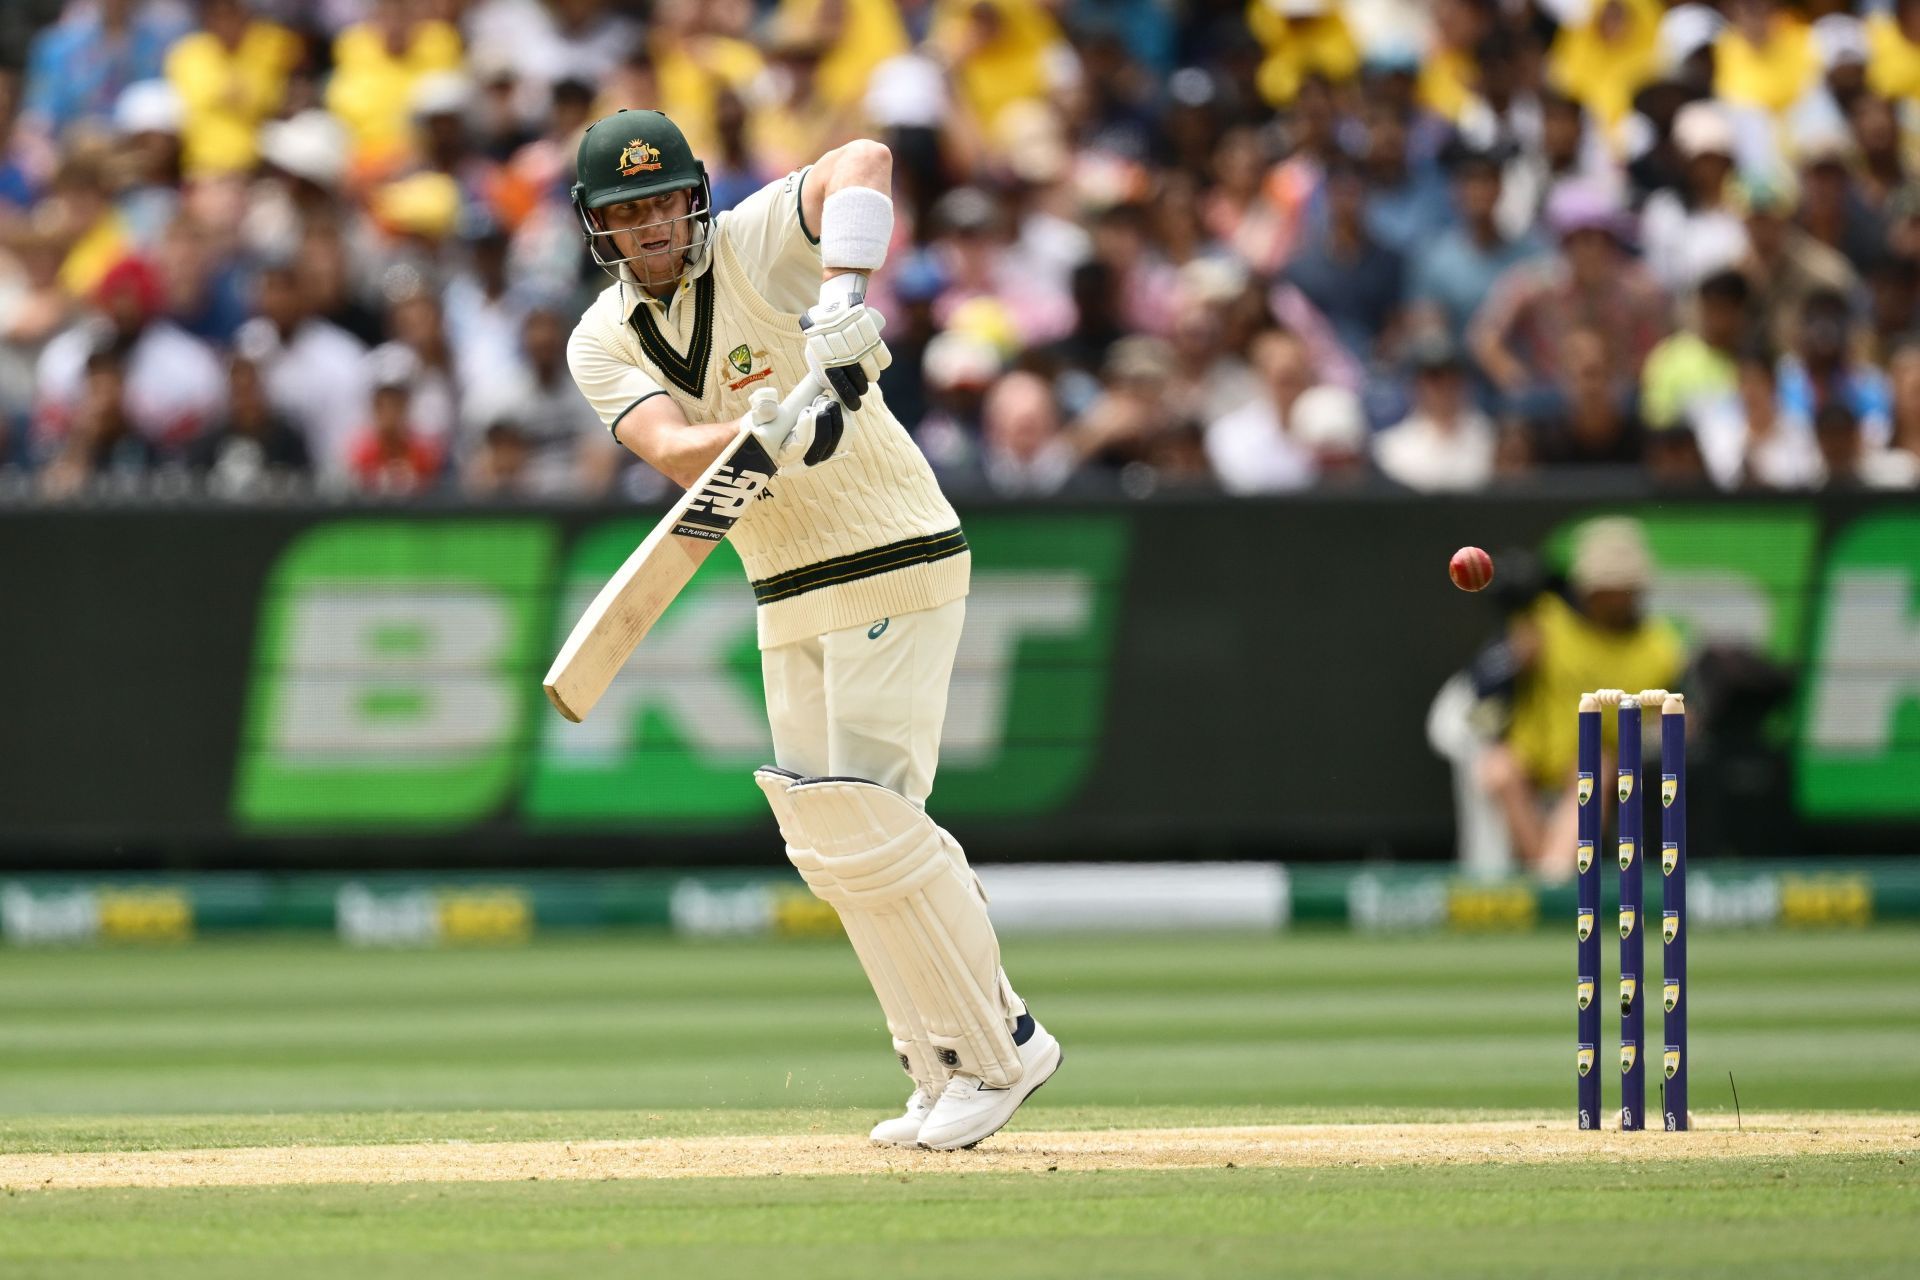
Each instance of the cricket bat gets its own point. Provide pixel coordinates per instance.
(634, 598)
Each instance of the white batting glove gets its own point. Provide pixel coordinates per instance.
(844, 348)
(801, 430)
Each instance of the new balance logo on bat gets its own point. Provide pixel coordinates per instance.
(722, 502)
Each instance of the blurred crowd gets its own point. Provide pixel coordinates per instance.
(251, 247)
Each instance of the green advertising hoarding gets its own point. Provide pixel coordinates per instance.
(331, 686)
(397, 680)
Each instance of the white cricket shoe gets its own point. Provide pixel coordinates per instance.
(904, 1130)
(969, 1111)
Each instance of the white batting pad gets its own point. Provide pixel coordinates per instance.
(917, 1055)
(889, 868)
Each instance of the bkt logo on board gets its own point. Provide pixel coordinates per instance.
(397, 667)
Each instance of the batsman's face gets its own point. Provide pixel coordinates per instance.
(654, 235)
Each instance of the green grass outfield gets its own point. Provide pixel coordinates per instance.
(266, 1042)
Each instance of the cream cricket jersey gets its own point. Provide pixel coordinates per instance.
(866, 534)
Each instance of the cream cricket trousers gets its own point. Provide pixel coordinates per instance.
(867, 702)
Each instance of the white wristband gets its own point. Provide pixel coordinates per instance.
(856, 225)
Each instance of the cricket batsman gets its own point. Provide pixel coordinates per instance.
(858, 564)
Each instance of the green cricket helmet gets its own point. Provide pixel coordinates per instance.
(636, 155)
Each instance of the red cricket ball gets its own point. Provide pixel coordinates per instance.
(1471, 569)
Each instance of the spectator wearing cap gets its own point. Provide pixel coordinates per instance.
(1841, 42)
(376, 64)
(253, 446)
(567, 452)
(1445, 444)
(1252, 449)
(1603, 60)
(304, 160)
(1452, 275)
(1824, 368)
(1210, 376)
(147, 120)
(1765, 58)
(1687, 33)
(1694, 368)
(444, 142)
(1893, 51)
(1521, 333)
(1600, 634)
(1300, 40)
(1690, 233)
(173, 383)
(1133, 403)
(390, 456)
(1352, 279)
(230, 75)
(1785, 265)
(315, 371)
(101, 440)
(960, 367)
(1590, 420)
(78, 68)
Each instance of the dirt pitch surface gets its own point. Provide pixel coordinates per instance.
(1296, 1146)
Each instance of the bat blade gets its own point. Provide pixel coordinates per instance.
(653, 576)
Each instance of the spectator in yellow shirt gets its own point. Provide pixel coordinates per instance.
(693, 64)
(375, 65)
(853, 37)
(1765, 58)
(997, 50)
(1602, 62)
(1301, 39)
(230, 76)
(1559, 649)
(1893, 51)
